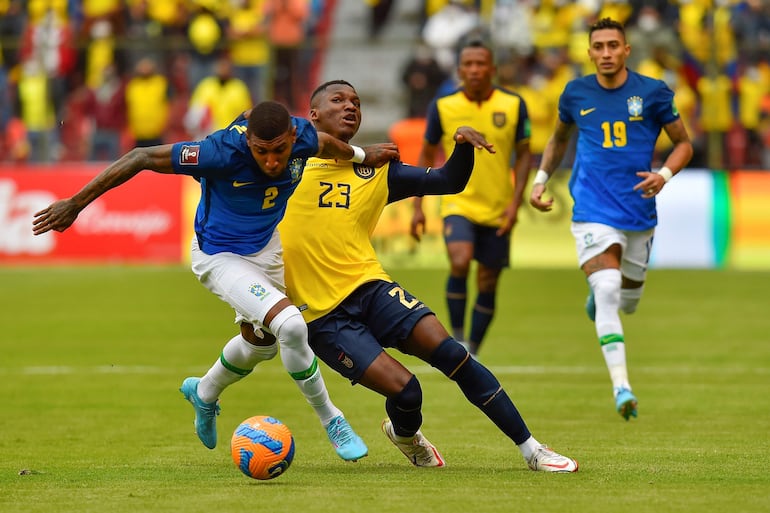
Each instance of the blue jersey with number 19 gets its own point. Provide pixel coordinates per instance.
(240, 206)
(617, 130)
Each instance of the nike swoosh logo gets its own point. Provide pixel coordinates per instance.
(584, 112)
(241, 184)
(556, 465)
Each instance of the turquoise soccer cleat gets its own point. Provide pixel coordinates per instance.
(591, 306)
(625, 403)
(205, 413)
(346, 442)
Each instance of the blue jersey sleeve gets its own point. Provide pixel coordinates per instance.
(306, 143)
(433, 128)
(565, 106)
(665, 109)
(213, 156)
(523, 128)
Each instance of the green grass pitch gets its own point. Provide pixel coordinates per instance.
(91, 360)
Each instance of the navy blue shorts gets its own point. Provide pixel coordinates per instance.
(376, 315)
(488, 248)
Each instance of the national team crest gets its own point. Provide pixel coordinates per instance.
(259, 291)
(365, 172)
(295, 168)
(635, 106)
(498, 119)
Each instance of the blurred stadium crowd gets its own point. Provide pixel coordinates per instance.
(88, 79)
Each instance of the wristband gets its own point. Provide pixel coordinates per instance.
(358, 154)
(666, 173)
(541, 177)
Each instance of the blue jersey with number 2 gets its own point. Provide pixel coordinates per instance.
(240, 206)
(617, 130)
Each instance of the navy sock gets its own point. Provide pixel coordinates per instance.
(405, 409)
(456, 299)
(481, 388)
(481, 318)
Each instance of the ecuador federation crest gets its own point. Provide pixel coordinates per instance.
(362, 171)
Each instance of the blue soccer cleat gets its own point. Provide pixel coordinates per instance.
(346, 442)
(591, 306)
(625, 403)
(205, 413)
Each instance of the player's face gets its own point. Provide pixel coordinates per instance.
(608, 51)
(337, 111)
(476, 70)
(272, 156)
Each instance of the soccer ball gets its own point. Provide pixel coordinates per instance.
(262, 447)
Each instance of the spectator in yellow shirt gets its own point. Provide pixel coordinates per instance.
(216, 100)
(147, 104)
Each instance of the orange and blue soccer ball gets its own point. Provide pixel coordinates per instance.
(262, 447)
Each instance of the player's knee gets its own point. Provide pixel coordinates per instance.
(256, 336)
(449, 356)
(606, 286)
(410, 397)
(289, 326)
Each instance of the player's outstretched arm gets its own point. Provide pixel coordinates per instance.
(376, 155)
(466, 134)
(453, 176)
(61, 214)
(450, 178)
(380, 154)
(426, 158)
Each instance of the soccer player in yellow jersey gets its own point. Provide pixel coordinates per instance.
(355, 310)
(478, 221)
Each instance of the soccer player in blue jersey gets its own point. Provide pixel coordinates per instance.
(619, 115)
(355, 310)
(247, 172)
(478, 221)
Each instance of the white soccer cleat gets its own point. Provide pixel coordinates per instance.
(546, 460)
(419, 451)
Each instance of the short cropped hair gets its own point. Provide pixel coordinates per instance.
(321, 88)
(606, 23)
(269, 120)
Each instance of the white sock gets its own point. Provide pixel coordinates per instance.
(606, 287)
(529, 447)
(314, 390)
(237, 360)
(629, 299)
(291, 331)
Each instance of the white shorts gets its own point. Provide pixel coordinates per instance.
(593, 239)
(251, 284)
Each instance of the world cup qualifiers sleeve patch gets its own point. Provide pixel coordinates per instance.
(189, 155)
